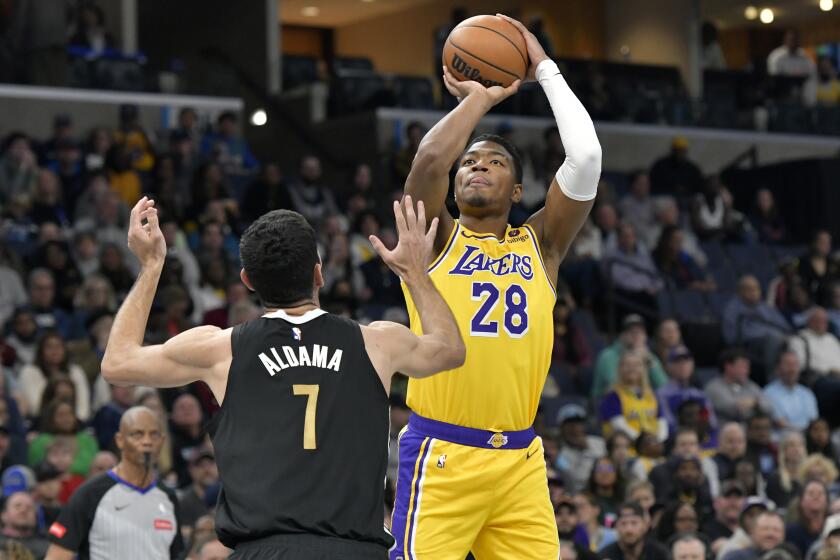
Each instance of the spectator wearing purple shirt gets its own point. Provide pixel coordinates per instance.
(679, 365)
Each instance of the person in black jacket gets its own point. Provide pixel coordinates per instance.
(632, 526)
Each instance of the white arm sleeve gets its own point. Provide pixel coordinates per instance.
(579, 174)
(619, 423)
(662, 429)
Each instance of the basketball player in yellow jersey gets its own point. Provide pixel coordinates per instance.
(472, 475)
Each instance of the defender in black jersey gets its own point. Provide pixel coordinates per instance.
(301, 440)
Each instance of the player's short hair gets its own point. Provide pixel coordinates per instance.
(507, 145)
(279, 252)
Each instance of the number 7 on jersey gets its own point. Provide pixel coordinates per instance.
(311, 393)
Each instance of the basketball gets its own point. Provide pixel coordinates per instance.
(486, 49)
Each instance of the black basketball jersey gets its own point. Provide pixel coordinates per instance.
(301, 440)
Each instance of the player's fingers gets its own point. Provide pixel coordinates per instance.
(410, 216)
(152, 217)
(379, 247)
(421, 217)
(399, 218)
(513, 88)
(516, 23)
(432, 233)
(134, 217)
(451, 86)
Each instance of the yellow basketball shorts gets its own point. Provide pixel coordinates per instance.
(461, 489)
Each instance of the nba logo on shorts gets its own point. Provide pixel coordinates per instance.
(441, 461)
(296, 333)
(498, 440)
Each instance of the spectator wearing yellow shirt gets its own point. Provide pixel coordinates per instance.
(631, 406)
(134, 137)
(124, 180)
(828, 86)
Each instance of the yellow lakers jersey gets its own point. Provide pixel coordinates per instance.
(641, 411)
(503, 301)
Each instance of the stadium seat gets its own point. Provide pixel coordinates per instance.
(123, 75)
(351, 66)
(702, 375)
(414, 92)
(753, 259)
(704, 339)
(690, 304)
(299, 70)
(359, 93)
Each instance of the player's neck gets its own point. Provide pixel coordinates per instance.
(486, 224)
(299, 309)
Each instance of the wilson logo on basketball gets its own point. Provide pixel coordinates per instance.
(470, 72)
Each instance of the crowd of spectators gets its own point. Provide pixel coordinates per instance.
(672, 453)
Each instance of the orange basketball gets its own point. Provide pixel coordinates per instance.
(486, 49)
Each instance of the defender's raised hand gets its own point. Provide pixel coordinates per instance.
(413, 252)
(462, 89)
(146, 240)
(536, 53)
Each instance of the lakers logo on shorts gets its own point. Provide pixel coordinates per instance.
(497, 440)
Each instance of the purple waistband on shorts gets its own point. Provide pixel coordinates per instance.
(471, 436)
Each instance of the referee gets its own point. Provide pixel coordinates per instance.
(122, 513)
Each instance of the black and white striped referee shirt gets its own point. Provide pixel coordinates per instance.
(109, 518)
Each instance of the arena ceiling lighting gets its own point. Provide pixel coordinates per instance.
(259, 117)
(826, 5)
(310, 11)
(766, 15)
(751, 12)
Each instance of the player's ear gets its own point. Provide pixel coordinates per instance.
(318, 277)
(120, 441)
(244, 277)
(516, 195)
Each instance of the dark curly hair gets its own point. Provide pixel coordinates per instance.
(279, 252)
(507, 145)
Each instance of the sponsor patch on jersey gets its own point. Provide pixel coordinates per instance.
(163, 525)
(58, 530)
(517, 235)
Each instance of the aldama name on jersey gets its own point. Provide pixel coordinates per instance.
(474, 260)
(300, 356)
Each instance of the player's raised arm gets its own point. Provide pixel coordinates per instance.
(202, 353)
(393, 347)
(428, 180)
(572, 191)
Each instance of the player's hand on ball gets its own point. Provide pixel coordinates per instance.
(462, 89)
(146, 240)
(413, 252)
(536, 53)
